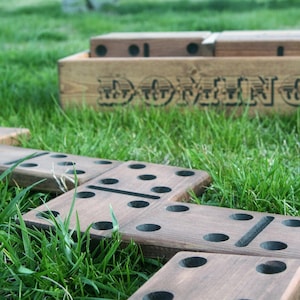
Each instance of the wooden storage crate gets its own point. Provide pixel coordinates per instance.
(200, 80)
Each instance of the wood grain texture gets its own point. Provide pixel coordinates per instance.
(57, 169)
(198, 275)
(258, 43)
(260, 84)
(131, 189)
(148, 203)
(148, 44)
(194, 227)
(11, 136)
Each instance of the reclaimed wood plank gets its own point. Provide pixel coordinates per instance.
(198, 275)
(259, 84)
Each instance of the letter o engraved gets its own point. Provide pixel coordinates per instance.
(156, 91)
(115, 91)
(289, 90)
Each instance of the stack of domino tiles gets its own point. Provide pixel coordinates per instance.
(213, 252)
(201, 69)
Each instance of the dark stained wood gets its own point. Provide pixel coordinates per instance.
(192, 227)
(132, 189)
(57, 169)
(193, 275)
(163, 224)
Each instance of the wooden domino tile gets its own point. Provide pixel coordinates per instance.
(258, 43)
(145, 198)
(148, 44)
(198, 275)
(57, 168)
(181, 226)
(10, 136)
(131, 189)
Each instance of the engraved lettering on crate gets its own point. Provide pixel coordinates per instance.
(198, 275)
(58, 169)
(132, 189)
(213, 229)
(188, 91)
(10, 136)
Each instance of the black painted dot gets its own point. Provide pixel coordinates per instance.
(192, 48)
(147, 177)
(193, 262)
(66, 163)
(137, 166)
(177, 208)
(28, 165)
(241, 217)
(102, 162)
(73, 172)
(216, 237)
(291, 223)
(273, 245)
(159, 295)
(101, 50)
(138, 204)
(161, 189)
(271, 267)
(102, 225)
(47, 214)
(85, 195)
(133, 50)
(280, 51)
(148, 227)
(109, 181)
(58, 155)
(185, 173)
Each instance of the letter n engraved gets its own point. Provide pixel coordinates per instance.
(289, 90)
(262, 90)
(115, 91)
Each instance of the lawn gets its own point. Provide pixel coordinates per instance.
(254, 161)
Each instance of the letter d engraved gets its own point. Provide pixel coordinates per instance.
(289, 90)
(115, 91)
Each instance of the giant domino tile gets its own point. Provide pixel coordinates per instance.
(10, 135)
(248, 255)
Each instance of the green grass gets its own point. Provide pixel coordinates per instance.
(254, 161)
